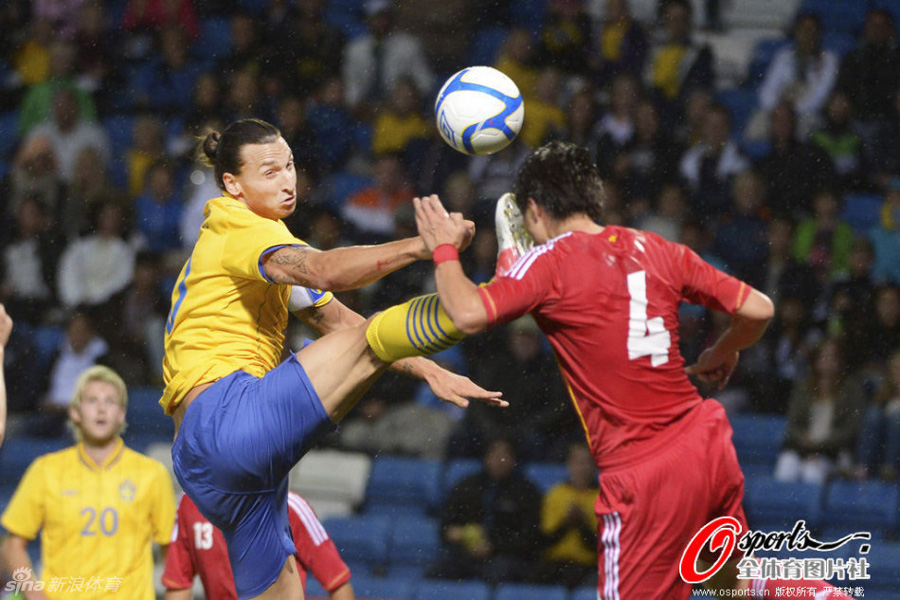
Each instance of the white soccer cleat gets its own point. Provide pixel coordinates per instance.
(512, 239)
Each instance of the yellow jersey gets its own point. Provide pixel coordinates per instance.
(226, 314)
(554, 512)
(96, 522)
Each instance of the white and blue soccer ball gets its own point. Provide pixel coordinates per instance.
(479, 110)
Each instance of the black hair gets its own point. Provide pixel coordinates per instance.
(562, 179)
(222, 151)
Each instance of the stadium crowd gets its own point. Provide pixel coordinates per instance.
(790, 181)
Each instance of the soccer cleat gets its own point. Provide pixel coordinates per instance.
(512, 239)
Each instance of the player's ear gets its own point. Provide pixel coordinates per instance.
(535, 211)
(232, 185)
(75, 414)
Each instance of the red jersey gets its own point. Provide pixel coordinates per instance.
(198, 548)
(608, 304)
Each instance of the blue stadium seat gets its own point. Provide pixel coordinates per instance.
(361, 539)
(347, 16)
(862, 211)
(19, 452)
(9, 137)
(756, 150)
(457, 470)
(837, 15)
(778, 505)
(529, 14)
(522, 591)
(486, 45)
(839, 42)
(584, 593)
(214, 41)
(546, 475)
(440, 589)
(388, 588)
(120, 129)
(884, 567)
(340, 186)
(46, 339)
(406, 484)
(763, 53)
(862, 506)
(414, 541)
(758, 438)
(145, 416)
(741, 103)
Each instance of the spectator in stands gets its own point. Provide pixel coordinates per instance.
(98, 266)
(882, 154)
(158, 209)
(516, 59)
(785, 276)
(38, 104)
(371, 210)
(148, 146)
(330, 119)
(247, 50)
(678, 63)
(850, 296)
(617, 127)
(538, 420)
(621, 46)
(874, 342)
(34, 172)
(689, 125)
(795, 169)
(709, 166)
(786, 348)
(123, 502)
(90, 188)
(296, 131)
(400, 128)
(802, 73)
(490, 522)
(878, 448)
(31, 59)
(309, 48)
(869, 74)
(841, 140)
(80, 349)
(823, 240)
(546, 119)
(69, 134)
(569, 524)
(824, 416)
(96, 48)
(373, 62)
(156, 15)
(565, 38)
(29, 263)
(138, 340)
(165, 84)
(886, 236)
(206, 104)
(650, 160)
(669, 213)
(742, 237)
(583, 112)
(494, 174)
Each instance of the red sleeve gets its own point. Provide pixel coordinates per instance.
(315, 549)
(529, 283)
(179, 572)
(704, 284)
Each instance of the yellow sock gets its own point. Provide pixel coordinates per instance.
(419, 327)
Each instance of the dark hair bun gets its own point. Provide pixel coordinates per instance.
(211, 146)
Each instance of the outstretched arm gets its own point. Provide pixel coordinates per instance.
(748, 324)
(341, 268)
(5, 329)
(459, 294)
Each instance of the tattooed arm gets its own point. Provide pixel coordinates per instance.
(341, 268)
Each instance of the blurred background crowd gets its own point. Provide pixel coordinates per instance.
(766, 139)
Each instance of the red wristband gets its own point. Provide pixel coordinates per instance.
(444, 252)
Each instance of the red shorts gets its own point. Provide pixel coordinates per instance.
(647, 512)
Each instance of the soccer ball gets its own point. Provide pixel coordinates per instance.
(479, 110)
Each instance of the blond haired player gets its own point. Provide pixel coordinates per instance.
(97, 505)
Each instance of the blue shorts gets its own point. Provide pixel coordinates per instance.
(237, 444)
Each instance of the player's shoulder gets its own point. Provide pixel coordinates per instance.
(58, 459)
(299, 506)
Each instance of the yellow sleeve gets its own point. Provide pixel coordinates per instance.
(162, 512)
(249, 242)
(26, 512)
